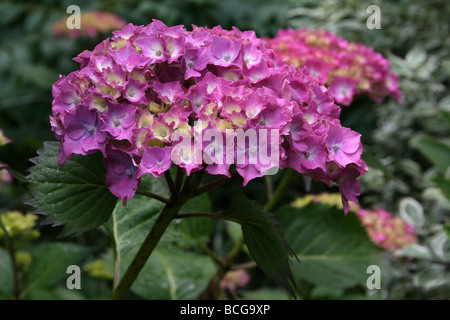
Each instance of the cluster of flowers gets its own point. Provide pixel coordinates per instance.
(348, 69)
(329, 199)
(21, 229)
(387, 231)
(19, 226)
(135, 95)
(234, 279)
(91, 24)
(96, 269)
(5, 176)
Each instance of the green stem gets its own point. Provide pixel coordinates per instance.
(234, 251)
(14, 267)
(169, 212)
(11, 252)
(215, 183)
(166, 216)
(174, 191)
(152, 195)
(213, 290)
(269, 187)
(247, 265)
(270, 205)
(205, 214)
(279, 191)
(179, 178)
(213, 256)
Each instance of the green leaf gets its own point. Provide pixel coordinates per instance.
(443, 184)
(412, 212)
(434, 277)
(38, 75)
(21, 178)
(75, 196)
(445, 115)
(50, 262)
(234, 230)
(58, 293)
(266, 294)
(263, 239)
(446, 228)
(333, 249)
(416, 57)
(196, 231)
(174, 274)
(130, 225)
(436, 151)
(414, 251)
(170, 273)
(6, 276)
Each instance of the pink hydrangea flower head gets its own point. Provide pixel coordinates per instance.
(209, 99)
(388, 231)
(349, 69)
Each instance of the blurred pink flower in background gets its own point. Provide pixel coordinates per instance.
(387, 231)
(5, 176)
(235, 279)
(92, 23)
(349, 69)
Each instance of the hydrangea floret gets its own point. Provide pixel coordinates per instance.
(140, 94)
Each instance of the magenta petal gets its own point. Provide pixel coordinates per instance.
(224, 51)
(248, 172)
(119, 120)
(120, 174)
(343, 89)
(83, 133)
(155, 160)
